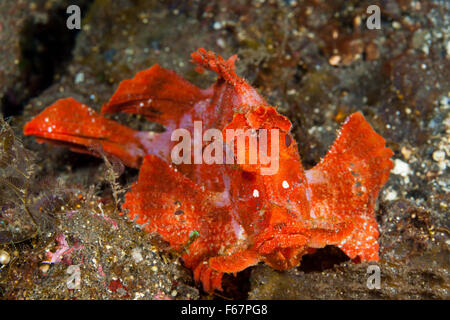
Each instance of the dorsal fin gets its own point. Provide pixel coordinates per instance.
(159, 94)
(224, 68)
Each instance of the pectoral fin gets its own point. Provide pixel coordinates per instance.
(70, 123)
(235, 262)
(157, 93)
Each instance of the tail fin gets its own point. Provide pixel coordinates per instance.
(70, 123)
(157, 93)
(347, 181)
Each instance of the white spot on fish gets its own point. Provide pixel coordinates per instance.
(256, 193)
(285, 184)
(238, 230)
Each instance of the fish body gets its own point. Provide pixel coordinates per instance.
(225, 217)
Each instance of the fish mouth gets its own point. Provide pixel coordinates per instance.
(56, 135)
(283, 249)
(285, 258)
(282, 241)
(302, 236)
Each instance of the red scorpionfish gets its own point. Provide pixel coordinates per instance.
(223, 218)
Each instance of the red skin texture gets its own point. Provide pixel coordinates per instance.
(225, 218)
(70, 123)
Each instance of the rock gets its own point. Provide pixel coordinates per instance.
(439, 155)
(401, 168)
(4, 257)
(137, 255)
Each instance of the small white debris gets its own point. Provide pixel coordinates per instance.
(406, 153)
(217, 25)
(221, 43)
(79, 78)
(285, 184)
(334, 60)
(401, 168)
(256, 193)
(390, 195)
(138, 295)
(396, 25)
(4, 257)
(439, 155)
(137, 255)
(447, 48)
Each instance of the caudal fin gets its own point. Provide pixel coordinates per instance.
(346, 183)
(70, 123)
